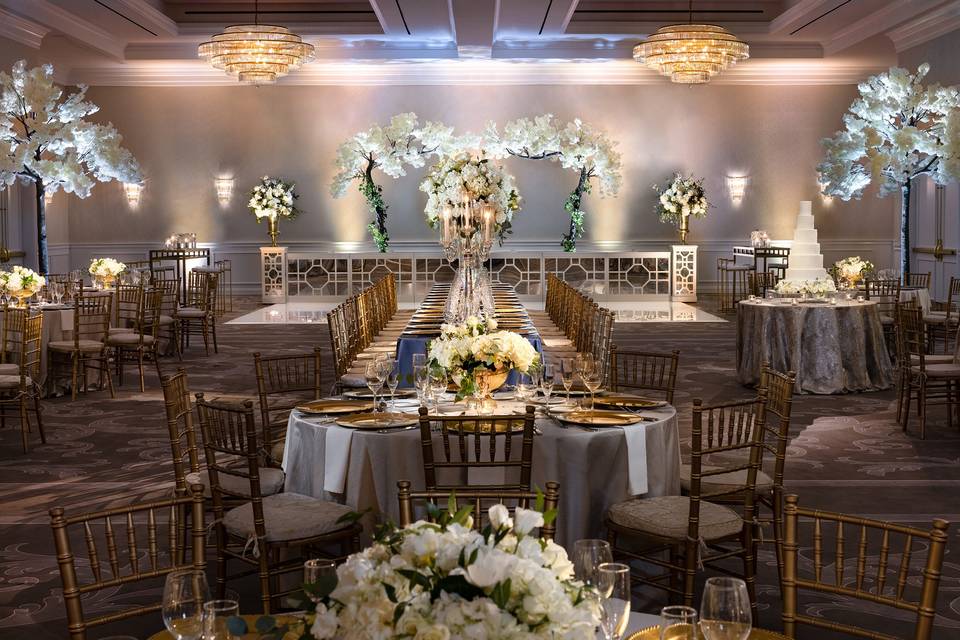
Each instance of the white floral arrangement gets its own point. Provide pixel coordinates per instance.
(461, 176)
(443, 579)
(106, 268)
(463, 349)
(852, 270)
(817, 288)
(20, 279)
(273, 198)
(683, 197)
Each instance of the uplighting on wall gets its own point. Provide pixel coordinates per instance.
(47, 197)
(133, 191)
(824, 198)
(224, 187)
(737, 188)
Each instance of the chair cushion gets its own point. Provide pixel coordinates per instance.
(353, 381)
(12, 381)
(886, 320)
(127, 338)
(271, 482)
(9, 369)
(68, 345)
(166, 320)
(288, 516)
(940, 370)
(554, 343)
(113, 330)
(730, 481)
(667, 517)
(190, 312)
(928, 360)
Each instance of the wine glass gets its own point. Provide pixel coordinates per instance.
(438, 385)
(592, 380)
(392, 380)
(374, 382)
(419, 360)
(678, 623)
(567, 371)
(216, 616)
(421, 379)
(725, 609)
(316, 570)
(588, 555)
(525, 388)
(546, 383)
(184, 592)
(613, 583)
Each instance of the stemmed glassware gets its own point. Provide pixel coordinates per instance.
(438, 385)
(216, 617)
(678, 623)
(613, 584)
(592, 380)
(546, 383)
(588, 555)
(391, 378)
(315, 570)
(725, 609)
(184, 592)
(374, 380)
(567, 371)
(526, 388)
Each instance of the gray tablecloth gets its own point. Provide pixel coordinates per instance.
(591, 467)
(832, 348)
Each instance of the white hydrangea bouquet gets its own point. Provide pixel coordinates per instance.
(817, 288)
(21, 282)
(273, 198)
(475, 349)
(461, 176)
(106, 268)
(683, 197)
(444, 579)
(851, 270)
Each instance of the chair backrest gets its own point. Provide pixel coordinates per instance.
(170, 295)
(919, 280)
(735, 430)
(893, 584)
(283, 382)
(30, 350)
(644, 371)
(886, 293)
(91, 317)
(128, 306)
(13, 319)
(911, 337)
(202, 290)
(339, 339)
(760, 281)
(149, 322)
(779, 391)
(477, 442)
(112, 566)
(180, 427)
(480, 499)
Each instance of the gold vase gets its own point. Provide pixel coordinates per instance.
(108, 282)
(684, 228)
(22, 295)
(273, 228)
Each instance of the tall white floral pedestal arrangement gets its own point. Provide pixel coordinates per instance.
(683, 273)
(273, 274)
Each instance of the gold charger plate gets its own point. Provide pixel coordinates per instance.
(383, 395)
(653, 633)
(598, 418)
(628, 400)
(334, 407)
(375, 421)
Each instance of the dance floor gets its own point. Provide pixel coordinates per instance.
(846, 453)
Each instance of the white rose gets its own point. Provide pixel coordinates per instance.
(496, 566)
(526, 520)
(325, 624)
(500, 517)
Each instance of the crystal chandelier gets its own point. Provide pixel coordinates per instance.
(691, 53)
(256, 53)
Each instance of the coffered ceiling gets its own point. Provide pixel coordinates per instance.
(450, 41)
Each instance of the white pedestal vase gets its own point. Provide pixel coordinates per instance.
(273, 275)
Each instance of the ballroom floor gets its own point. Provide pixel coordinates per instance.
(846, 453)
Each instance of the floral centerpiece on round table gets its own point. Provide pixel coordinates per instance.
(850, 271)
(683, 197)
(477, 357)
(106, 270)
(273, 198)
(817, 288)
(21, 283)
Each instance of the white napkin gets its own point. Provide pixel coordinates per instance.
(336, 457)
(636, 439)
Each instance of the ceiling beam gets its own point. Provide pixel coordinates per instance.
(146, 15)
(799, 15)
(879, 22)
(474, 24)
(21, 30)
(391, 18)
(926, 27)
(558, 15)
(60, 20)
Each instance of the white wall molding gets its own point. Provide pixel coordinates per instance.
(926, 27)
(66, 22)
(22, 30)
(880, 21)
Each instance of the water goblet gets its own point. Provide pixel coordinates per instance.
(588, 555)
(184, 592)
(216, 619)
(392, 381)
(374, 381)
(421, 379)
(525, 389)
(438, 385)
(613, 583)
(319, 573)
(546, 383)
(678, 623)
(725, 609)
(567, 371)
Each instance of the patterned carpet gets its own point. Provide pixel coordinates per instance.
(846, 453)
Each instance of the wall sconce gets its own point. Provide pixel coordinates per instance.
(133, 191)
(737, 188)
(224, 187)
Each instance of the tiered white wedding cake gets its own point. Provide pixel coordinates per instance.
(805, 273)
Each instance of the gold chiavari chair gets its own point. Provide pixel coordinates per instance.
(461, 448)
(143, 339)
(109, 567)
(283, 382)
(927, 381)
(21, 389)
(480, 499)
(944, 318)
(734, 283)
(169, 326)
(917, 280)
(643, 371)
(697, 529)
(13, 318)
(256, 533)
(911, 588)
(88, 348)
(127, 307)
(760, 281)
(340, 345)
(200, 314)
(886, 293)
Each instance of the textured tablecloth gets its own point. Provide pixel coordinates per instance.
(591, 467)
(832, 348)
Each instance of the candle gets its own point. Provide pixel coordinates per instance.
(446, 224)
(487, 223)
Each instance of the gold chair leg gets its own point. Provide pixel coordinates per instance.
(36, 409)
(24, 425)
(75, 376)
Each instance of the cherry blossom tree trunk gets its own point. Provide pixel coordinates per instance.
(43, 258)
(905, 229)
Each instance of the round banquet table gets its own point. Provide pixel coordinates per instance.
(595, 469)
(832, 348)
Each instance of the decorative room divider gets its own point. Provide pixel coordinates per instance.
(664, 275)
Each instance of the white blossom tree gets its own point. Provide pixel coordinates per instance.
(895, 131)
(44, 139)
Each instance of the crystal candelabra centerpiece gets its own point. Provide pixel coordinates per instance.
(467, 236)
